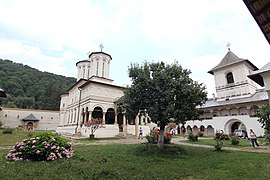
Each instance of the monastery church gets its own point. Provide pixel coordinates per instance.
(93, 96)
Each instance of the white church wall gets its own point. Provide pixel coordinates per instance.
(224, 123)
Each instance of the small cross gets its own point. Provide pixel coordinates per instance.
(101, 47)
(228, 46)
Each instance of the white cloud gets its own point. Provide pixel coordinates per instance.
(52, 35)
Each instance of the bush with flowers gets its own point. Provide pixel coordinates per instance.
(153, 137)
(44, 147)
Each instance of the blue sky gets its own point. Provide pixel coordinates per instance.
(52, 35)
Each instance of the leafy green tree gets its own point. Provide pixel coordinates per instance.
(27, 87)
(166, 92)
(264, 117)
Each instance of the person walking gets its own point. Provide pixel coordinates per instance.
(253, 138)
(140, 133)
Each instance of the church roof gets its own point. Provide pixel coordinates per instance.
(256, 75)
(261, 13)
(86, 60)
(97, 82)
(229, 59)
(30, 117)
(258, 96)
(99, 53)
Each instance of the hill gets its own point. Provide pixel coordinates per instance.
(27, 87)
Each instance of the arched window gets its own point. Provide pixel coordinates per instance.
(229, 78)
(97, 68)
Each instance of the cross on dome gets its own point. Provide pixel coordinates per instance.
(101, 47)
(228, 46)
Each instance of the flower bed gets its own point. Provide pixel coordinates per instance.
(153, 137)
(44, 147)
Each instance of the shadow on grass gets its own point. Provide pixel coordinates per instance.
(170, 150)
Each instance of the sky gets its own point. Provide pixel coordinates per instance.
(52, 35)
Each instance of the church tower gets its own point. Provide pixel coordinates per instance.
(96, 66)
(231, 79)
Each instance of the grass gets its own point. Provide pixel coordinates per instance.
(226, 143)
(96, 139)
(16, 136)
(142, 161)
(139, 161)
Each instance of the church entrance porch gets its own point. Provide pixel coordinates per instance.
(236, 126)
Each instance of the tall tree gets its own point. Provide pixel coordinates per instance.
(264, 117)
(166, 92)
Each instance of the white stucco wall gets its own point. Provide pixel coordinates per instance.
(242, 86)
(224, 123)
(11, 117)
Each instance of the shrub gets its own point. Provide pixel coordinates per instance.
(235, 140)
(221, 136)
(153, 137)
(192, 137)
(7, 131)
(44, 147)
(267, 137)
(218, 145)
(19, 128)
(200, 134)
(167, 138)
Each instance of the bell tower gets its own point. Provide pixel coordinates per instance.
(231, 79)
(97, 65)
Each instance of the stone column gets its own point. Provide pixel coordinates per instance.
(124, 125)
(103, 118)
(137, 125)
(115, 118)
(268, 93)
(248, 110)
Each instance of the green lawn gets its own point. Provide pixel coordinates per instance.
(139, 161)
(226, 143)
(16, 136)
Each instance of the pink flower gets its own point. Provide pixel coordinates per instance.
(38, 152)
(33, 146)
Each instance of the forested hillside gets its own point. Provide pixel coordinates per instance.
(27, 87)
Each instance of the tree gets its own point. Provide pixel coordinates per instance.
(264, 117)
(94, 124)
(166, 92)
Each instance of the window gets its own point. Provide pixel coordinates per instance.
(103, 67)
(229, 78)
(97, 68)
